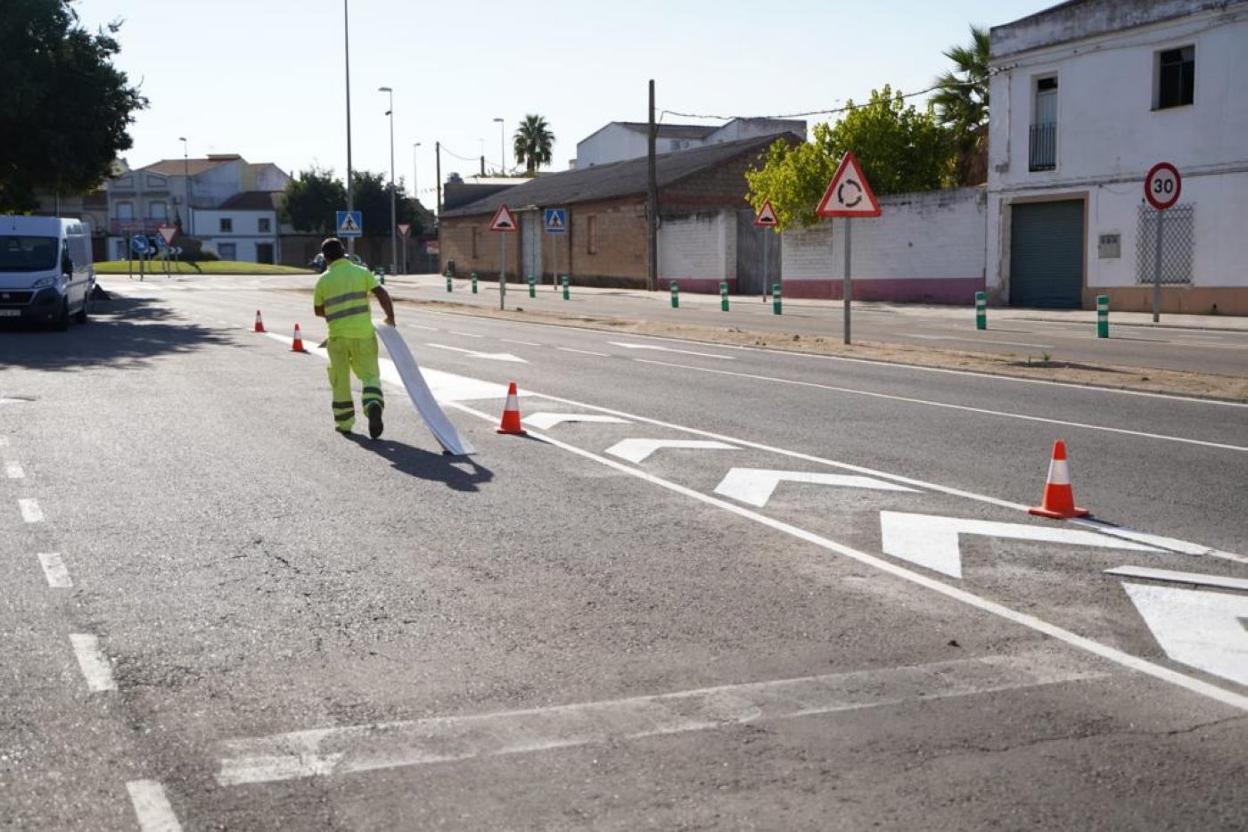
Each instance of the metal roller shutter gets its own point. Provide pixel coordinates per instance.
(1046, 255)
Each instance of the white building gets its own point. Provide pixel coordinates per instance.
(622, 140)
(1086, 97)
(244, 228)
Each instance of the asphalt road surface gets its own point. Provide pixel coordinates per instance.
(713, 588)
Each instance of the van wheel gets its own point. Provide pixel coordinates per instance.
(61, 324)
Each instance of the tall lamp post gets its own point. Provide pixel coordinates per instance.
(346, 39)
(502, 147)
(186, 180)
(394, 229)
(416, 171)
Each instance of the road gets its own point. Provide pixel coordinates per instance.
(713, 588)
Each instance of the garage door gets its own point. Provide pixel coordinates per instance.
(1046, 255)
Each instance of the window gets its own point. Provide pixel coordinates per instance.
(1176, 78)
(157, 211)
(227, 251)
(125, 210)
(1042, 145)
(264, 225)
(591, 237)
(227, 225)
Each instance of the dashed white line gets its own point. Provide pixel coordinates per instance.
(1192, 578)
(418, 326)
(465, 334)
(515, 341)
(54, 570)
(31, 512)
(92, 661)
(584, 352)
(13, 470)
(151, 807)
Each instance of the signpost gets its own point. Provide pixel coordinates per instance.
(555, 221)
(349, 224)
(504, 221)
(139, 245)
(405, 230)
(848, 195)
(766, 219)
(1162, 187)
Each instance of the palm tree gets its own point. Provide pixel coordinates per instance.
(962, 105)
(532, 143)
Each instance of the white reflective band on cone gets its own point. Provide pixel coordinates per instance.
(1059, 472)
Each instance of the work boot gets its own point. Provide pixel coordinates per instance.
(375, 427)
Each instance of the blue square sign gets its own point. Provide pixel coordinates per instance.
(555, 220)
(350, 224)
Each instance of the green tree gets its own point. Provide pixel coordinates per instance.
(64, 108)
(372, 197)
(901, 149)
(532, 143)
(962, 106)
(312, 198)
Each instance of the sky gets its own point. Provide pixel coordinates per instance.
(265, 78)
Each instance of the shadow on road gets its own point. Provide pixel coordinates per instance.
(123, 332)
(460, 473)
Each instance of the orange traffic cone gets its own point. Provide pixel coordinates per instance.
(1059, 496)
(259, 322)
(511, 414)
(297, 344)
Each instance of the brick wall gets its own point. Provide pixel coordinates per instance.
(925, 247)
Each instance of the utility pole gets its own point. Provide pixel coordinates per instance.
(652, 202)
(482, 167)
(346, 39)
(437, 149)
(394, 218)
(186, 180)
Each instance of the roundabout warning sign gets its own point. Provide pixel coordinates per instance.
(848, 194)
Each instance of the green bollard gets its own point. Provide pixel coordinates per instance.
(723, 297)
(381, 274)
(1102, 316)
(981, 310)
(449, 286)
(474, 283)
(775, 299)
(532, 286)
(675, 295)
(567, 295)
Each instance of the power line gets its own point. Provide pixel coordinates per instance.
(832, 111)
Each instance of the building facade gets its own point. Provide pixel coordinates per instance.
(244, 228)
(1086, 97)
(619, 141)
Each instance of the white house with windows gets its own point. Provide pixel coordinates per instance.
(1086, 97)
(244, 227)
(618, 141)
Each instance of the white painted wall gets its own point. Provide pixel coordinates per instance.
(699, 247)
(612, 143)
(245, 235)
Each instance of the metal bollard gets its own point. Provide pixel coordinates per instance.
(981, 310)
(474, 283)
(1102, 316)
(675, 295)
(450, 287)
(723, 297)
(775, 299)
(532, 286)
(567, 294)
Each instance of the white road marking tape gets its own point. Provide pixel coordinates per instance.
(418, 326)
(54, 570)
(629, 346)
(1192, 578)
(638, 450)
(522, 343)
(1202, 629)
(755, 486)
(931, 541)
(584, 352)
(949, 406)
(31, 512)
(546, 421)
(151, 807)
(1084, 643)
(465, 334)
(329, 751)
(1183, 547)
(489, 356)
(13, 470)
(92, 661)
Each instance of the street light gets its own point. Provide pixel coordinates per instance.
(346, 39)
(415, 171)
(394, 231)
(186, 180)
(502, 146)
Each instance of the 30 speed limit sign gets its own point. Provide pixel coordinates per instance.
(1162, 185)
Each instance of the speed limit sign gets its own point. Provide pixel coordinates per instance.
(1162, 185)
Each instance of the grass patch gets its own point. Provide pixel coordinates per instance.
(209, 267)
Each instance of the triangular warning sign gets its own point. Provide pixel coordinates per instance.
(503, 220)
(348, 225)
(848, 194)
(767, 216)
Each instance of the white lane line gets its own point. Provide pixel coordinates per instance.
(584, 352)
(968, 340)
(754, 486)
(631, 346)
(1191, 578)
(639, 450)
(1160, 541)
(54, 570)
(418, 326)
(94, 664)
(949, 406)
(1165, 674)
(546, 421)
(358, 748)
(151, 807)
(522, 343)
(465, 334)
(13, 470)
(31, 512)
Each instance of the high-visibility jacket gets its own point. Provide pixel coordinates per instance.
(343, 292)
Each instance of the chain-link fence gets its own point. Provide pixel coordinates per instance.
(1178, 239)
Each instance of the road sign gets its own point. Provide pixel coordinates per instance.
(1162, 185)
(432, 247)
(503, 220)
(139, 244)
(350, 224)
(167, 233)
(848, 194)
(555, 220)
(767, 216)
(405, 228)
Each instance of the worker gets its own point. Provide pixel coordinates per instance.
(341, 298)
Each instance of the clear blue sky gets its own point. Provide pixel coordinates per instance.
(264, 78)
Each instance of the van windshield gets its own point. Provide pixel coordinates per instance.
(27, 254)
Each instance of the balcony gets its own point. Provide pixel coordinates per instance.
(1042, 149)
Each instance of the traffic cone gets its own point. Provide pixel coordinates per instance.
(1059, 496)
(511, 414)
(259, 322)
(297, 344)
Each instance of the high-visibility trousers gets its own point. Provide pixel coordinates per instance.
(358, 355)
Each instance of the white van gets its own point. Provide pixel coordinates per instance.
(46, 270)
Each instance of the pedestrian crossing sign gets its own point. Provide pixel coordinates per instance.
(503, 220)
(350, 224)
(556, 220)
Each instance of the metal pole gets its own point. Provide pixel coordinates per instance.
(766, 234)
(652, 201)
(394, 217)
(186, 181)
(502, 271)
(437, 146)
(847, 285)
(1157, 271)
(346, 39)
